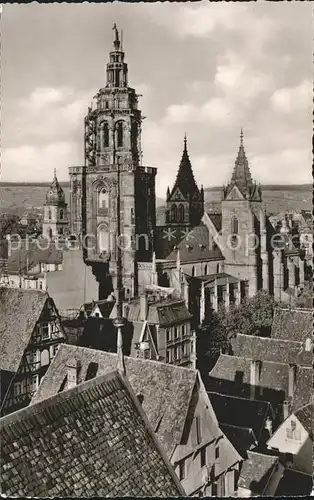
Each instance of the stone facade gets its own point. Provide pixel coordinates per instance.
(113, 194)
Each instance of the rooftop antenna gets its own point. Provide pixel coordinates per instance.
(122, 40)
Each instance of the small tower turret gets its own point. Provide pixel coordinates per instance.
(55, 223)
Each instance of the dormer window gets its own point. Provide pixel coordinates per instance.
(292, 432)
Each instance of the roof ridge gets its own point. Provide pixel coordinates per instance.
(137, 360)
(59, 397)
(270, 338)
(238, 397)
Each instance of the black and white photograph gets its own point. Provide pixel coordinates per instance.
(156, 249)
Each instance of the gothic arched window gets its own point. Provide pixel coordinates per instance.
(234, 225)
(61, 214)
(50, 233)
(205, 269)
(193, 271)
(173, 213)
(49, 214)
(119, 131)
(181, 213)
(105, 134)
(103, 200)
(103, 238)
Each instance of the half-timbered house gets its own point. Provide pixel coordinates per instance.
(30, 334)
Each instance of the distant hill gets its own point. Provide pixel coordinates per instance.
(20, 197)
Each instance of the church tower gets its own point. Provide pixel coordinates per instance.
(55, 222)
(241, 208)
(113, 195)
(185, 202)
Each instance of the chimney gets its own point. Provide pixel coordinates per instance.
(143, 306)
(286, 409)
(73, 366)
(292, 380)
(254, 377)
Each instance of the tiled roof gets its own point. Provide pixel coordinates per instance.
(196, 247)
(305, 416)
(292, 324)
(216, 219)
(92, 440)
(166, 389)
(99, 333)
(241, 412)
(256, 471)
(271, 349)
(163, 312)
(231, 375)
(242, 438)
(30, 254)
(19, 311)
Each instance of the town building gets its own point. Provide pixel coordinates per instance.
(93, 440)
(247, 423)
(293, 440)
(178, 409)
(31, 333)
(276, 369)
(161, 329)
(260, 475)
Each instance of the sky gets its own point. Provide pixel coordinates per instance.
(204, 69)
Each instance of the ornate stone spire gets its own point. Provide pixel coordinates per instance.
(185, 179)
(241, 176)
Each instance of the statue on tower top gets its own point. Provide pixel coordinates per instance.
(116, 41)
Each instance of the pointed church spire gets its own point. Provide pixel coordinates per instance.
(116, 41)
(241, 175)
(185, 179)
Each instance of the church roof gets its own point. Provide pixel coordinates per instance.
(196, 246)
(55, 193)
(93, 440)
(185, 181)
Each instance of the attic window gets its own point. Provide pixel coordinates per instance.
(91, 371)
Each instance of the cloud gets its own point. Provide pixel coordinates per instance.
(214, 110)
(29, 163)
(290, 100)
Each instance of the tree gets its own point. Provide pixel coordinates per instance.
(253, 316)
(305, 299)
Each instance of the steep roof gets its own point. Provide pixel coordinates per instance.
(166, 389)
(231, 375)
(241, 412)
(195, 246)
(292, 324)
(271, 349)
(256, 471)
(185, 181)
(163, 312)
(216, 219)
(305, 416)
(19, 311)
(92, 440)
(31, 253)
(242, 438)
